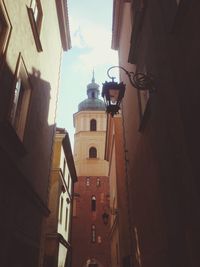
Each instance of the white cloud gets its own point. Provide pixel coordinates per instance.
(78, 39)
(98, 56)
(95, 40)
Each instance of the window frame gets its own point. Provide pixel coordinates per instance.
(92, 152)
(64, 167)
(19, 111)
(6, 31)
(61, 210)
(66, 218)
(93, 204)
(93, 125)
(36, 24)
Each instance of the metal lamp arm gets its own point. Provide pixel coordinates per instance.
(138, 80)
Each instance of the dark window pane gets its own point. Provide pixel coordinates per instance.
(92, 152)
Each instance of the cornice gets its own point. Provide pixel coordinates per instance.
(62, 11)
(116, 23)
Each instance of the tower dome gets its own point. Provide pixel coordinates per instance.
(92, 102)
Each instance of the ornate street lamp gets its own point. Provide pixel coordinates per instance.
(105, 215)
(113, 92)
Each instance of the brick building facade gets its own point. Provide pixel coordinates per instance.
(90, 234)
(161, 131)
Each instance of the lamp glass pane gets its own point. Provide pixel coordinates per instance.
(114, 95)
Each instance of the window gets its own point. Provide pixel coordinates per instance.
(35, 9)
(87, 181)
(35, 16)
(99, 239)
(92, 152)
(93, 203)
(69, 180)
(93, 233)
(64, 167)
(61, 210)
(37, 13)
(98, 182)
(20, 99)
(5, 27)
(93, 125)
(66, 219)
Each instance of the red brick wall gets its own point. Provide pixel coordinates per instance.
(83, 247)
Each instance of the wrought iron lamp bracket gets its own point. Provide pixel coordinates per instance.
(140, 81)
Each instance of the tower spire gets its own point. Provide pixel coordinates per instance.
(93, 79)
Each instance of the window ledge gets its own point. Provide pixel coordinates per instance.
(10, 141)
(34, 29)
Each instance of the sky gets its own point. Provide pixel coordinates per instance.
(90, 23)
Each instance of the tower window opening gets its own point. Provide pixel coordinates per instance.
(92, 152)
(87, 181)
(93, 203)
(93, 125)
(93, 237)
(98, 182)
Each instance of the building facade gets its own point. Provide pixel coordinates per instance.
(91, 194)
(160, 129)
(58, 227)
(28, 96)
(119, 234)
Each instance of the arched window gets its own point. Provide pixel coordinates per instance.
(93, 125)
(93, 233)
(98, 182)
(87, 181)
(92, 152)
(93, 203)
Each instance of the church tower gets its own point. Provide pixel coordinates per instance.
(91, 193)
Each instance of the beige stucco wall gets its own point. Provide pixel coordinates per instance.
(29, 160)
(22, 40)
(44, 70)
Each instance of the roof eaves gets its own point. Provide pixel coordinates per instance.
(116, 23)
(62, 11)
